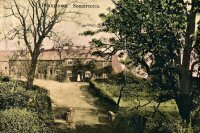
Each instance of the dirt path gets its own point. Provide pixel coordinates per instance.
(74, 95)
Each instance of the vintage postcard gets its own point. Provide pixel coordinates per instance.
(99, 66)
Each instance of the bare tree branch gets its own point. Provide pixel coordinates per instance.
(36, 22)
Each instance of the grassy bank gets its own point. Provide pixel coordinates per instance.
(132, 97)
(133, 118)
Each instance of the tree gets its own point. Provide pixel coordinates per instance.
(160, 36)
(36, 22)
(91, 66)
(78, 68)
(42, 67)
(60, 45)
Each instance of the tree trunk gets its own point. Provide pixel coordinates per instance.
(183, 98)
(31, 73)
(120, 96)
(121, 91)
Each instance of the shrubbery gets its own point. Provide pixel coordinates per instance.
(115, 82)
(5, 79)
(13, 95)
(130, 124)
(162, 124)
(97, 90)
(139, 119)
(36, 100)
(142, 121)
(19, 121)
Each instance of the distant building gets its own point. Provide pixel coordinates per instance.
(54, 65)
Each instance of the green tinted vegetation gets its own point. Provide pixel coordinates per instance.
(162, 38)
(135, 95)
(19, 106)
(138, 112)
(19, 120)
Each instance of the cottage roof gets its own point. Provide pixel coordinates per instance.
(6, 55)
(52, 54)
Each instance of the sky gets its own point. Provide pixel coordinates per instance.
(88, 19)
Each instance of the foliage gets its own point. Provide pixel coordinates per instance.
(35, 22)
(134, 85)
(19, 120)
(80, 67)
(148, 29)
(160, 124)
(41, 104)
(130, 78)
(195, 123)
(61, 72)
(142, 121)
(14, 95)
(130, 124)
(91, 66)
(5, 79)
(156, 34)
(101, 91)
(135, 94)
(107, 69)
(60, 45)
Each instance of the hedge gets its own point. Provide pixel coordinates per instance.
(95, 90)
(19, 121)
(14, 95)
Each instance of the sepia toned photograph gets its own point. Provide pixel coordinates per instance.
(99, 66)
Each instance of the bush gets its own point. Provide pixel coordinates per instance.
(133, 124)
(5, 79)
(18, 121)
(41, 104)
(196, 124)
(141, 121)
(160, 124)
(39, 89)
(34, 88)
(14, 95)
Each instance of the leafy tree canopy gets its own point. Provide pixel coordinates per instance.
(160, 36)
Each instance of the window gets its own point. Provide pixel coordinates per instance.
(69, 62)
(58, 72)
(87, 74)
(69, 73)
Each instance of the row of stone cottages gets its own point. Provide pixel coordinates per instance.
(55, 66)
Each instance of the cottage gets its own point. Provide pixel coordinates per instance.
(74, 64)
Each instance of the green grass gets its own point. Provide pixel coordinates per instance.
(129, 99)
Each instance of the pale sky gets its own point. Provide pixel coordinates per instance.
(88, 20)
